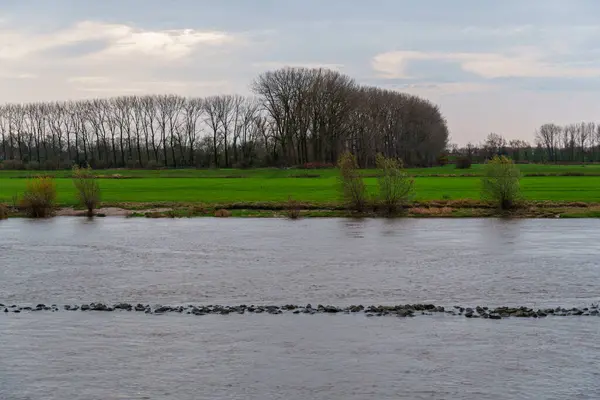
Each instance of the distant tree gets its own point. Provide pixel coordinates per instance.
(88, 189)
(463, 162)
(396, 187)
(501, 182)
(353, 189)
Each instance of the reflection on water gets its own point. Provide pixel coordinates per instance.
(122, 355)
(83, 356)
(467, 261)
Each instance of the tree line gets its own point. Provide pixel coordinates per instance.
(571, 143)
(295, 116)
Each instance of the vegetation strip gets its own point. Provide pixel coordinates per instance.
(407, 310)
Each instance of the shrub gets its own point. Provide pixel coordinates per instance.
(501, 182)
(222, 213)
(133, 164)
(153, 164)
(65, 165)
(13, 165)
(463, 162)
(395, 186)
(293, 209)
(316, 165)
(50, 165)
(442, 160)
(88, 190)
(32, 166)
(354, 191)
(3, 211)
(38, 199)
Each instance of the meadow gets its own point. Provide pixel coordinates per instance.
(556, 183)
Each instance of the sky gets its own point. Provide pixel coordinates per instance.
(491, 66)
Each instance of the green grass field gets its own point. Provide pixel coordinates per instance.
(273, 185)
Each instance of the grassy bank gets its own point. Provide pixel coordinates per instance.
(441, 191)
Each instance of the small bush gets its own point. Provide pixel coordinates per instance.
(222, 213)
(13, 165)
(32, 166)
(293, 209)
(305, 176)
(396, 187)
(3, 211)
(38, 199)
(463, 163)
(133, 164)
(88, 190)
(153, 164)
(316, 165)
(51, 165)
(354, 191)
(442, 160)
(501, 182)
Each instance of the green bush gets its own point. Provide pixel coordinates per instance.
(463, 162)
(442, 160)
(501, 182)
(293, 209)
(353, 189)
(12, 165)
(395, 186)
(32, 166)
(88, 189)
(153, 164)
(38, 199)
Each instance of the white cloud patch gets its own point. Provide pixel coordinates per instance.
(521, 63)
(119, 39)
(101, 59)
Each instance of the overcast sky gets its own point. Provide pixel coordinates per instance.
(492, 66)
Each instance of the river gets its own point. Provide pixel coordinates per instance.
(470, 262)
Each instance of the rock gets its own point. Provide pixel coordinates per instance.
(469, 314)
(494, 316)
(123, 306)
(140, 307)
(17, 311)
(162, 309)
(440, 309)
(85, 307)
(6, 310)
(100, 307)
(26, 308)
(296, 311)
(405, 313)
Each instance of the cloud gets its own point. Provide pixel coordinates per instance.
(521, 63)
(118, 39)
(432, 89)
(92, 58)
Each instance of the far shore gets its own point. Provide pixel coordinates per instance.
(429, 209)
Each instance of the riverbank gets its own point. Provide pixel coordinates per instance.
(427, 209)
(403, 311)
